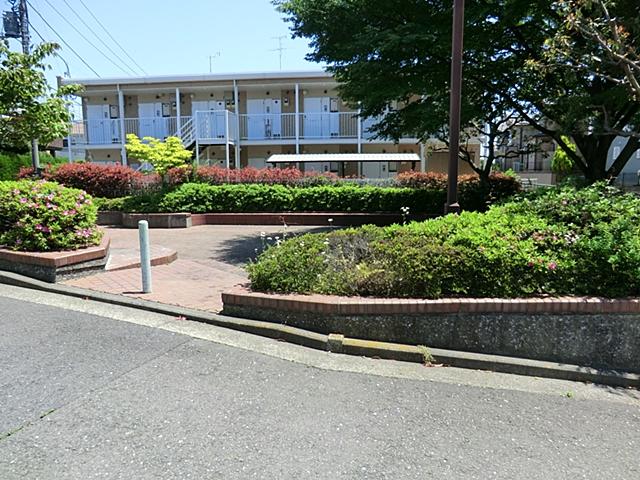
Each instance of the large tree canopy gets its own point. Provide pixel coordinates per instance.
(387, 52)
(28, 107)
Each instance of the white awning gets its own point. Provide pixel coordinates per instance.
(343, 157)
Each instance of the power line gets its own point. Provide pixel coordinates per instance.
(66, 64)
(81, 34)
(63, 40)
(99, 37)
(111, 37)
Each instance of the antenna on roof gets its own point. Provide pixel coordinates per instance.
(280, 48)
(211, 57)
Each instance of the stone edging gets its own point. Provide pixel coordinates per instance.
(327, 304)
(58, 259)
(187, 220)
(54, 266)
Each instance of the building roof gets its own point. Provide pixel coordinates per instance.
(207, 77)
(343, 157)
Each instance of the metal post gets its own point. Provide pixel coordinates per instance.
(236, 99)
(297, 117)
(123, 150)
(226, 140)
(178, 113)
(423, 160)
(359, 132)
(452, 205)
(69, 152)
(145, 255)
(197, 133)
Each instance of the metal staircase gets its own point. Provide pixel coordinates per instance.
(187, 133)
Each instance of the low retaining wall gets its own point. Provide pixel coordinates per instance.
(592, 332)
(55, 266)
(186, 220)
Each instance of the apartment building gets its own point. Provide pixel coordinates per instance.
(239, 120)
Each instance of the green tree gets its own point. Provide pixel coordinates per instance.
(397, 52)
(561, 163)
(162, 155)
(29, 107)
(597, 34)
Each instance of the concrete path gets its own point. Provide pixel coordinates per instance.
(98, 391)
(210, 260)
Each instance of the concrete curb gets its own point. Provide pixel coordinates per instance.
(339, 344)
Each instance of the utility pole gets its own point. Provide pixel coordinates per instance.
(452, 205)
(24, 34)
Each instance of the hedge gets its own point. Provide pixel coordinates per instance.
(558, 242)
(204, 198)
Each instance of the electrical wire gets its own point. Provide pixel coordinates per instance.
(99, 38)
(55, 54)
(64, 41)
(82, 35)
(111, 37)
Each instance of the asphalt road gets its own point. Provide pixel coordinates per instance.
(86, 396)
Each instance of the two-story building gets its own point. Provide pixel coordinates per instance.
(238, 120)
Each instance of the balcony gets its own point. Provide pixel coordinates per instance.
(222, 126)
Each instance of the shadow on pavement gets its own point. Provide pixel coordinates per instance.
(246, 248)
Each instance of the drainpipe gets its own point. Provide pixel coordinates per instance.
(178, 113)
(123, 150)
(297, 102)
(237, 110)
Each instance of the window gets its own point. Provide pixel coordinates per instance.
(393, 167)
(616, 152)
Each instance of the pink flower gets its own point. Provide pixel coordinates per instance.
(552, 266)
(23, 200)
(529, 264)
(16, 191)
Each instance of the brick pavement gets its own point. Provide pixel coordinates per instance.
(210, 260)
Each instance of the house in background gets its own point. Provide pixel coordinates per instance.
(240, 120)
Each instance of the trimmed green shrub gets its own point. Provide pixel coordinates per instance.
(201, 198)
(558, 242)
(11, 163)
(44, 216)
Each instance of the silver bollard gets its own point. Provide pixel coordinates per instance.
(145, 255)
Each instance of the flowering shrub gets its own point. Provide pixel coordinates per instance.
(45, 216)
(557, 242)
(108, 181)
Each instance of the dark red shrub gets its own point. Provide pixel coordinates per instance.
(108, 181)
(179, 175)
(271, 176)
(411, 179)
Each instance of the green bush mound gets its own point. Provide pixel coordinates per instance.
(11, 163)
(205, 198)
(44, 216)
(556, 242)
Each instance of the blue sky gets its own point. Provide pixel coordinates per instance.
(170, 37)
